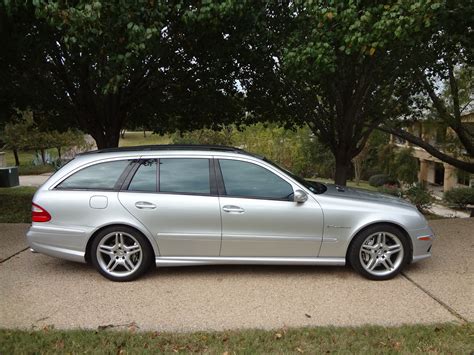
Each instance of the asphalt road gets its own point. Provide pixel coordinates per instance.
(36, 290)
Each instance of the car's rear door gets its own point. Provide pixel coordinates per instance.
(176, 199)
(259, 217)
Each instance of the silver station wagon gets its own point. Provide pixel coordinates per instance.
(125, 209)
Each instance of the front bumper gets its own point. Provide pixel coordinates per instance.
(422, 240)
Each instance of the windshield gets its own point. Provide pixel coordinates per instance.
(314, 186)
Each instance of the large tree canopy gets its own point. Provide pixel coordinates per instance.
(334, 66)
(341, 67)
(98, 64)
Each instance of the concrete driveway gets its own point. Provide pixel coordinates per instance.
(37, 290)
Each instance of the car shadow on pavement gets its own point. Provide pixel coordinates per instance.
(224, 271)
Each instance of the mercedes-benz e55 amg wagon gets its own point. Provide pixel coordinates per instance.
(126, 209)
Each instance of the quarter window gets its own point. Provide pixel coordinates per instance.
(243, 179)
(183, 175)
(102, 176)
(145, 177)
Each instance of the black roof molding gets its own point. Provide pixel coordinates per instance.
(161, 147)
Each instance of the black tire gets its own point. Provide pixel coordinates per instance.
(362, 260)
(132, 239)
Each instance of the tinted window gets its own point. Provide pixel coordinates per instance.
(185, 176)
(145, 177)
(250, 180)
(102, 176)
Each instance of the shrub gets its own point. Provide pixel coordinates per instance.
(296, 150)
(390, 190)
(382, 179)
(460, 197)
(419, 196)
(204, 136)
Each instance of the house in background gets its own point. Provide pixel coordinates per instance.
(433, 171)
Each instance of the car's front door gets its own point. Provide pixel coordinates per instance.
(178, 207)
(259, 216)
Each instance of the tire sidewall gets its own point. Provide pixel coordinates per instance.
(147, 253)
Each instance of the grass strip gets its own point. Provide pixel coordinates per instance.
(440, 338)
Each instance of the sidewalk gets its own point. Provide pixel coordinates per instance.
(34, 180)
(444, 211)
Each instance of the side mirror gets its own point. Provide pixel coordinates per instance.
(300, 196)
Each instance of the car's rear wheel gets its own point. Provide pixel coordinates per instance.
(379, 252)
(120, 253)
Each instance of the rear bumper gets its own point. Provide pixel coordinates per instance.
(422, 240)
(59, 242)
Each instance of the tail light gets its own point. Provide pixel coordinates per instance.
(39, 214)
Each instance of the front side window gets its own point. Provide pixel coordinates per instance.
(184, 175)
(102, 176)
(243, 179)
(145, 177)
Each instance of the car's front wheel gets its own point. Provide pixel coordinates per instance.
(121, 253)
(379, 252)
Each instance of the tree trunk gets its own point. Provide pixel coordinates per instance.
(59, 152)
(108, 139)
(105, 124)
(343, 166)
(17, 159)
(42, 156)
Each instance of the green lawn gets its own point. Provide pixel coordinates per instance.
(15, 206)
(26, 162)
(136, 138)
(434, 339)
(362, 184)
(26, 158)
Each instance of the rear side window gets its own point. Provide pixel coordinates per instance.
(102, 176)
(183, 175)
(242, 179)
(145, 177)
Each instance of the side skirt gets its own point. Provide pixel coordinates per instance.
(226, 260)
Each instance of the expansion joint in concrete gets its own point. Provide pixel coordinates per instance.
(11, 256)
(442, 304)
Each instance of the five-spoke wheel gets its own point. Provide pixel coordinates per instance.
(120, 253)
(379, 252)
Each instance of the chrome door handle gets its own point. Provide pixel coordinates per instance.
(233, 209)
(145, 205)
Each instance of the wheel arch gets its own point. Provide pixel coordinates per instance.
(376, 223)
(151, 243)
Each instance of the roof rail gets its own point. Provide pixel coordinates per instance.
(158, 147)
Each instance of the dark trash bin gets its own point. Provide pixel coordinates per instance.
(9, 177)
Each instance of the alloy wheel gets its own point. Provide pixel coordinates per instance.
(381, 253)
(119, 254)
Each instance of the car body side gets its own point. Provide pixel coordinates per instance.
(79, 214)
